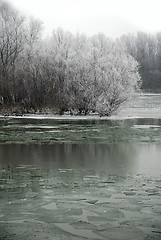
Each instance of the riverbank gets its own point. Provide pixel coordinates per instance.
(146, 105)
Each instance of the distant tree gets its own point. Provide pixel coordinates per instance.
(145, 48)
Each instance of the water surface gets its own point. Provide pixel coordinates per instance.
(82, 178)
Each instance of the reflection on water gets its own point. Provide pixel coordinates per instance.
(112, 158)
(72, 191)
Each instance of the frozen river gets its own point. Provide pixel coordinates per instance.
(82, 177)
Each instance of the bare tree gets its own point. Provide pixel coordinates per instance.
(32, 58)
(11, 45)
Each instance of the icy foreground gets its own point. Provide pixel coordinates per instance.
(70, 204)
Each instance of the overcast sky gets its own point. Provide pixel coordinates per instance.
(112, 17)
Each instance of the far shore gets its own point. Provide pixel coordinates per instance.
(74, 117)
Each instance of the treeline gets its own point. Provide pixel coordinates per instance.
(146, 49)
(63, 72)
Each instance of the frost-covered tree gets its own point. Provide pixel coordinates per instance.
(58, 51)
(118, 82)
(11, 46)
(116, 76)
(92, 74)
(32, 63)
(65, 71)
(78, 85)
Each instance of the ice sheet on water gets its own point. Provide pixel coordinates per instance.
(82, 233)
(29, 126)
(123, 233)
(14, 221)
(50, 206)
(146, 126)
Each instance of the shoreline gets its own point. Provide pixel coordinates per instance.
(76, 117)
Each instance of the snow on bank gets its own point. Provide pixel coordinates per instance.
(88, 117)
(68, 117)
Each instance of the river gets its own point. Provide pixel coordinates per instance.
(82, 177)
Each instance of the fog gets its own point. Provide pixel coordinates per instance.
(113, 18)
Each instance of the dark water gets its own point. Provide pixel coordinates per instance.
(89, 178)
